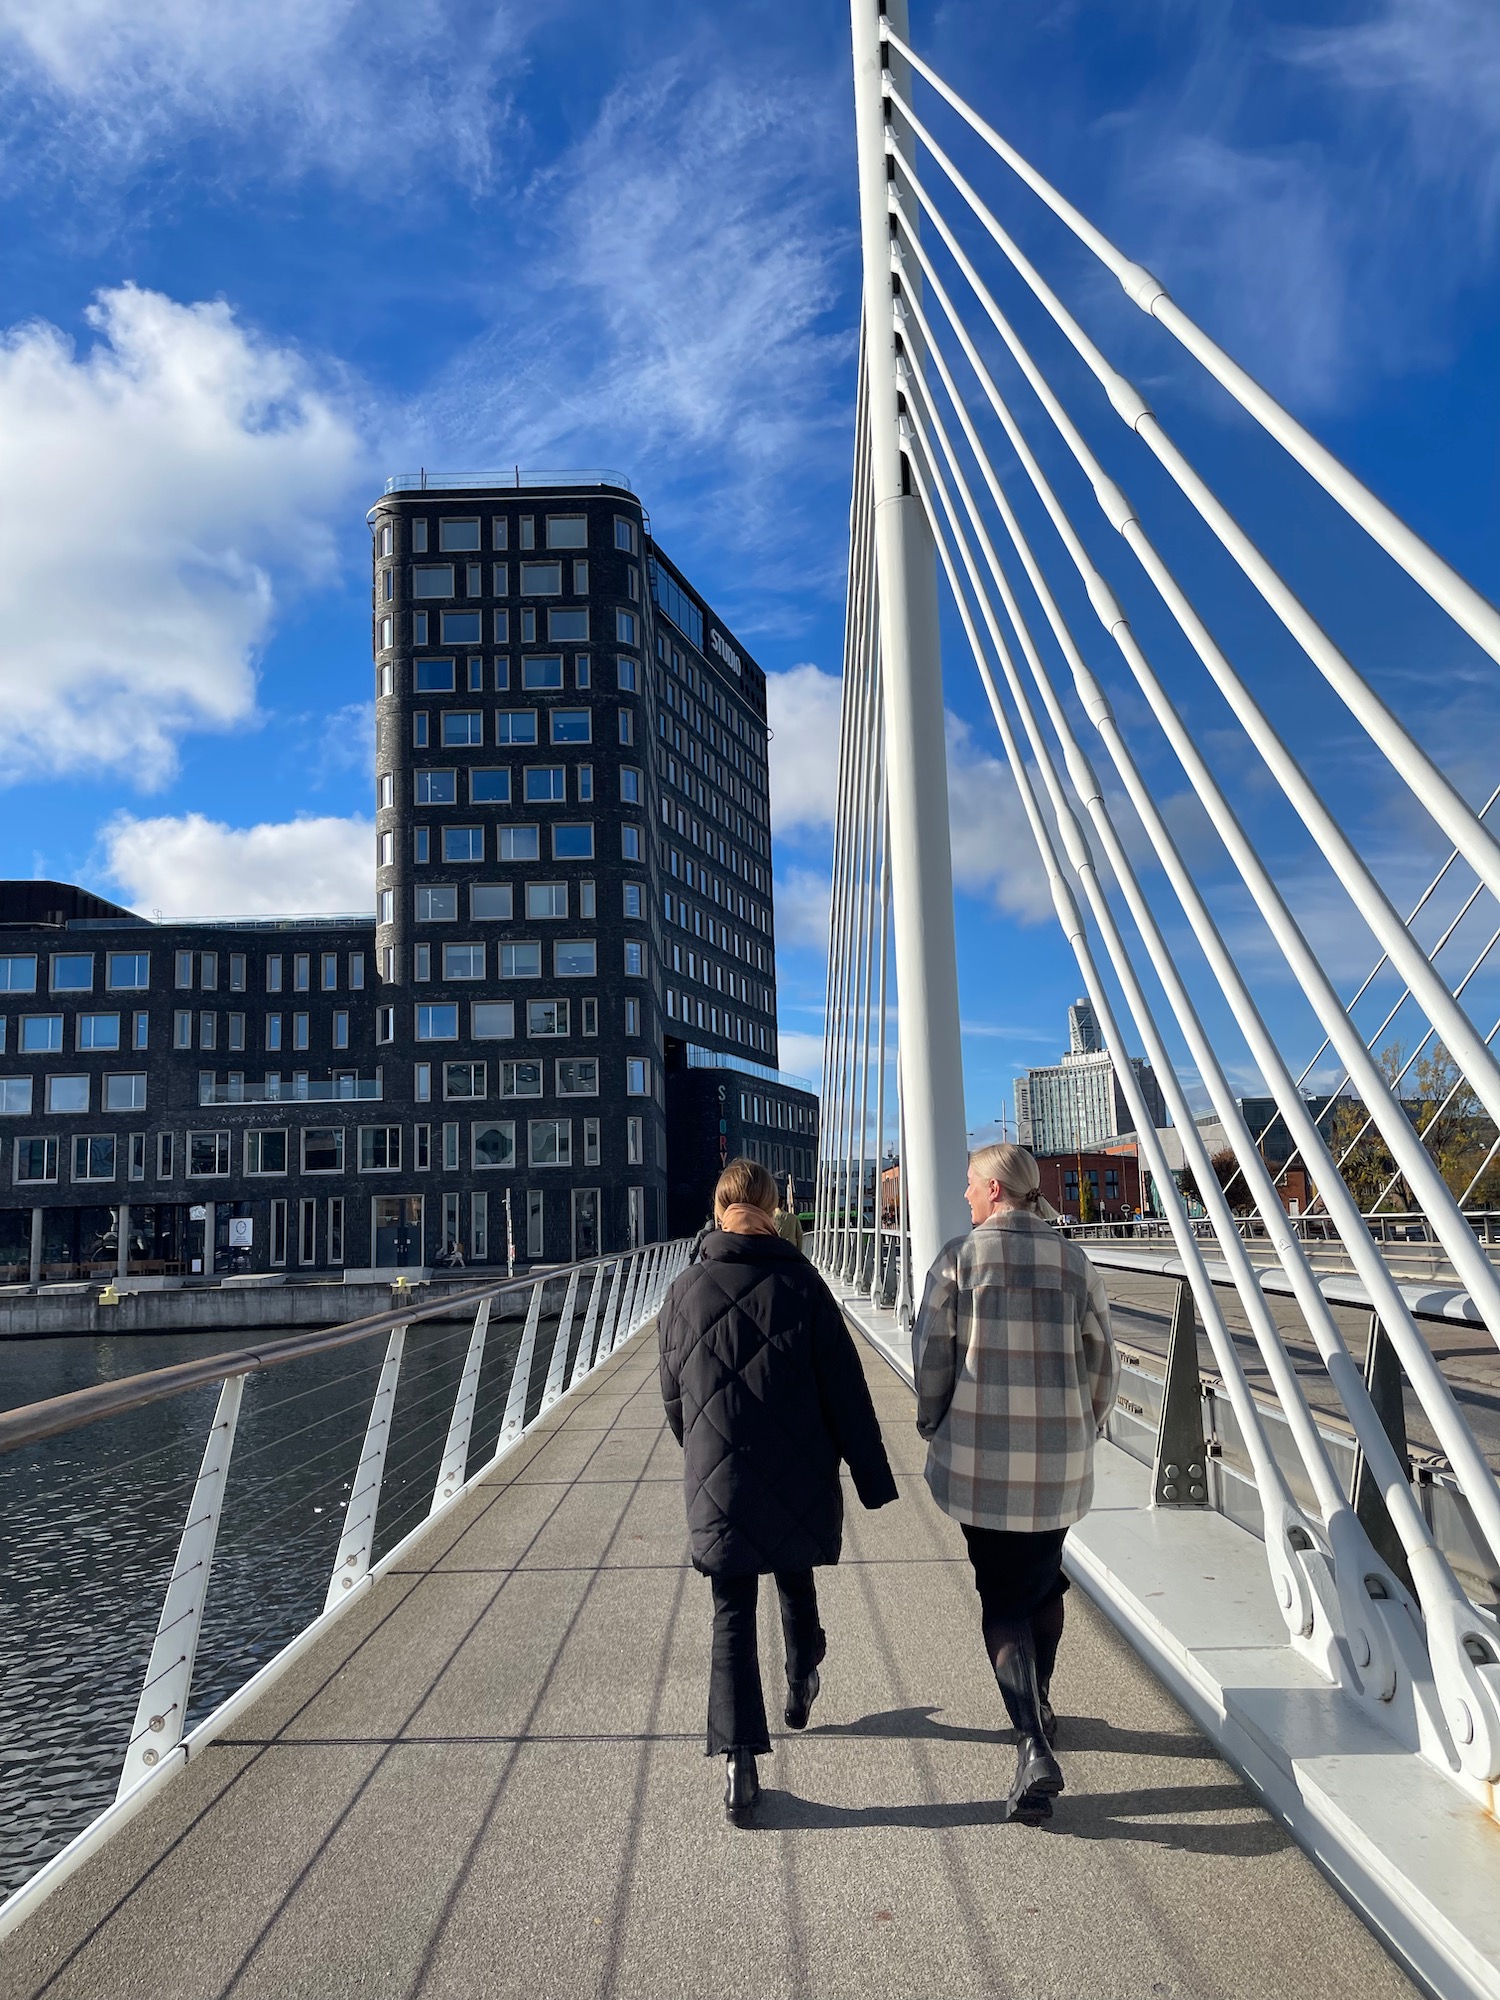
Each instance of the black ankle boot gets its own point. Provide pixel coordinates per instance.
(1049, 1719)
(1038, 1776)
(741, 1786)
(800, 1696)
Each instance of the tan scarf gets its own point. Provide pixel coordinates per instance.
(743, 1218)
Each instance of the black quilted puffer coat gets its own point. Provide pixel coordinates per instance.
(765, 1393)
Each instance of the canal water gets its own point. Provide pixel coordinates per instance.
(90, 1521)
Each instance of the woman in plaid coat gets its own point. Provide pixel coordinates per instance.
(1016, 1373)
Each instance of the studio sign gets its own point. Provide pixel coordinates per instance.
(717, 643)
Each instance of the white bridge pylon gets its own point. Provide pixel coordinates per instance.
(971, 466)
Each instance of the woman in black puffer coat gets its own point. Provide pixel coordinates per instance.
(765, 1393)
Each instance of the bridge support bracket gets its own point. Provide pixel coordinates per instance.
(1179, 1472)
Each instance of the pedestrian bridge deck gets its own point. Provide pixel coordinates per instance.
(487, 1778)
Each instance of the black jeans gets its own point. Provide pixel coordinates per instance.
(736, 1704)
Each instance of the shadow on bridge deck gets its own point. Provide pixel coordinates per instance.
(488, 1779)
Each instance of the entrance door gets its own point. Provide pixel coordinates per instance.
(585, 1223)
(397, 1229)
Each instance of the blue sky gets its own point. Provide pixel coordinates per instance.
(252, 260)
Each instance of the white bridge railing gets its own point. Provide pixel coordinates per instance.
(574, 1319)
(970, 461)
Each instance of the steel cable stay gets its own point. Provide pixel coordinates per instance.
(1452, 1228)
(1453, 592)
(1429, 786)
(1348, 866)
(1380, 1638)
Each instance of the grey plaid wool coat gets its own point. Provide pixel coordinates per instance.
(1016, 1372)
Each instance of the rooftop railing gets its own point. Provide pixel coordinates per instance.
(517, 477)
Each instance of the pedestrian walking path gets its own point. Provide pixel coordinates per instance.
(488, 1779)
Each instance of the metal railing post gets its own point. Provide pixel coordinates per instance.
(583, 1359)
(456, 1451)
(514, 1420)
(553, 1387)
(1384, 1380)
(358, 1539)
(605, 1341)
(624, 1325)
(162, 1710)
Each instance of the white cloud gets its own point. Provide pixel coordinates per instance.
(994, 854)
(351, 88)
(800, 1054)
(150, 489)
(680, 267)
(197, 867)
(802, 910)
(803, 708)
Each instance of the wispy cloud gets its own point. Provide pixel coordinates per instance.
(375, 93)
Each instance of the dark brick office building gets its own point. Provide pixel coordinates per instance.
(572, 951)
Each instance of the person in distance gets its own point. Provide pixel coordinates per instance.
(765, 1393)
(1016, 1373)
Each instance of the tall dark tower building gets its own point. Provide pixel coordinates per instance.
(560, 1020)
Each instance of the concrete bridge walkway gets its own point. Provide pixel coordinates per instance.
(488, 1779)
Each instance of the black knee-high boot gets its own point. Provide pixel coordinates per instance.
(1038, 1776)
(1046, 1635)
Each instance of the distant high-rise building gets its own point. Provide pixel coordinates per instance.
(1077, 1104)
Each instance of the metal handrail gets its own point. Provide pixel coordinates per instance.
(30, 1423)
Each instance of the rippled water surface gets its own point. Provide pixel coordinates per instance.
(90, 1521)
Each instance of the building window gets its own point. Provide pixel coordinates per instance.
(500, 532)
(625, 534)
(578, 1076)
(570, 725)
(567, 531)
(387, 636)
(323, 1149)
(137, 1156)
(421, 1147)
(207, 1154)
(582, 671)
(299, 1031)
(125, 1092)
(515, 725)
(36, 1160)
(520, 961)
(464, 1079)
(164, 1156)
(436, 788)
(550, 1142)
(15, 1096)
(273, 1032)
(96, 1031)
(518, 843)
(575, 958)
(450, 1152)
(591, 1142)
(627, 725)
(632, 1017)
(336, 1229)
(340, 1027)
(581, 578)
(458, 535)
(463, 843)
(265, 1152)
(630, 786)
(585, 899)
(461, 628)
(67, 1093)
(379, 1148)
(479, 1229)
(72, 972)
(630, 844)
(541, 579)
(437, 903)
(535, 1230)
(489, 788)
(17, 972)
(573, 841)
(432, 580)
(635, 1142)
(631, 894)
(545, 784)
(236, 1034)
(589, 1021)
(637, 1077)
(462, 728)
(626, 627)
(273, 973)
(520, 1079)
(635, 958)
(356, 971)
(494, 1145)
(546, 899)
(307, 1232)
(568, 626)
(126, 971)
(492, 1020)
(43, 1032)
(491, 902)
(543, 670)
(547, 1017)
(437, 1023)
(463, 961)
